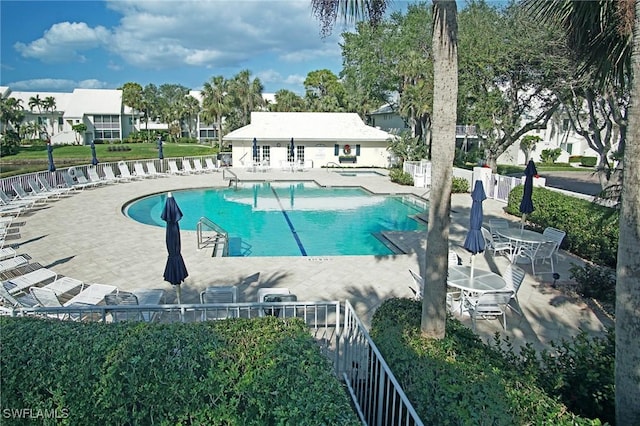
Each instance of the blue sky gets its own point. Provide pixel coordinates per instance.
(57, 46)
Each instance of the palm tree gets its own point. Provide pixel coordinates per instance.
(445, 69)
(605, 36)
(49, 105)
(215, 103)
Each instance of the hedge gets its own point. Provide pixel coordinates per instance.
(459, 380)
(592, 230)
(237, 371)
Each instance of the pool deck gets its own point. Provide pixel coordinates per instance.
(86, 236)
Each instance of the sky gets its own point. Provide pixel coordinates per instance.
(57, 46)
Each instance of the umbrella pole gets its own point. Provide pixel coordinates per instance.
(524, 217)
(179, 293)
(473, 259)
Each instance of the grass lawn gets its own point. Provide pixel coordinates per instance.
(34, 158)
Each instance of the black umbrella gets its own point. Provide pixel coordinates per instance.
(175, 271)
(526, 205)
(160, 153)
(474, 242)
(293, 152)
(94, 157)
(255, 149)
(52, 167)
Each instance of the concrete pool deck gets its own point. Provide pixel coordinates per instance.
(87, 237)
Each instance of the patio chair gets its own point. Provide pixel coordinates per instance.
(79, 176)
(138, 297)
(37, 189)
(14, 203)
(495, 225)
(23, 195)
(556, 235)
(173, 168)
(540, 252)
(70, 182)
(7, 252)
(152, 171)
(186, 167)
(94, 177)
(11, 301)
(418, 285)
(12, 263)
(197, 166)
(62, 190)
(138, 170)
(20, 283)
(513, 277)
(488, 305)
(125, 173)
(217, 295)
(209, 165)
(110, 176)
(496, 246)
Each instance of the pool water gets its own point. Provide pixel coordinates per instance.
(290, 219)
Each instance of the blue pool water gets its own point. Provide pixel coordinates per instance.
(290, 219)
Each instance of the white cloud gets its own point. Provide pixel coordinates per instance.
(64, 42)
(52, 84)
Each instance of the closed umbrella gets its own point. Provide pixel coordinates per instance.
(52, 167)
(94, 157)
(293, 151)
(255, 149)
(474, 242)
(160, 153)
(175, 271)
(526, 205)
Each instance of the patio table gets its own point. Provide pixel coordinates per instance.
(519, 238)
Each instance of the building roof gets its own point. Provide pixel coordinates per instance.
(94, 101)
(62, 99)
(307, 126)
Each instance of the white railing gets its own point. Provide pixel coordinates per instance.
(378, 396)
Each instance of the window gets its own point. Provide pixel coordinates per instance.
(266, 153)
(208, 134)
(300, 153)
(566, 123)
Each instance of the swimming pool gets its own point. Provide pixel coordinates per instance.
(290, 219)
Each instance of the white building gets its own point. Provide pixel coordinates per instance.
(319, 139)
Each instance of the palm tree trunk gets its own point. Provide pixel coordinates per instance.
(445, 94)
(628, 270)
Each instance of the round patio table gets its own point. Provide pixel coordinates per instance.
(519, 238)
(481, 282)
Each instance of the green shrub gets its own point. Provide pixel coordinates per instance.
(575, 159)
(9, 143)
(549, 156)
(459, 185)
(459, 380)
(588, 161)
(237, 371)
(592, 230)
(579, 371)
(400, 177)
(595, 281)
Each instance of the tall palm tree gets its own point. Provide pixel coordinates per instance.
(215, 103)
(606, 36)
(49, 105)
(445, 68)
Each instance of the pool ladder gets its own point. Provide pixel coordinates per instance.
(232, 179)
(211, 235)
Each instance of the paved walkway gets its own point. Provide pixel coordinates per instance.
(86, 236)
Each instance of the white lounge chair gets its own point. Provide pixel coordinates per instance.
(19, 284)
(79, 176)
(111, 176)
(59, 189)
(173, 168)
(92, 172)
(13, 263)
(197, 166)
(23, 195)
(152, 171)
(37, 189)
(7, 252)
(14, 203)
(125, 173)
(186, 167)
(138, 170)
(11, 301)
(210, 166)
